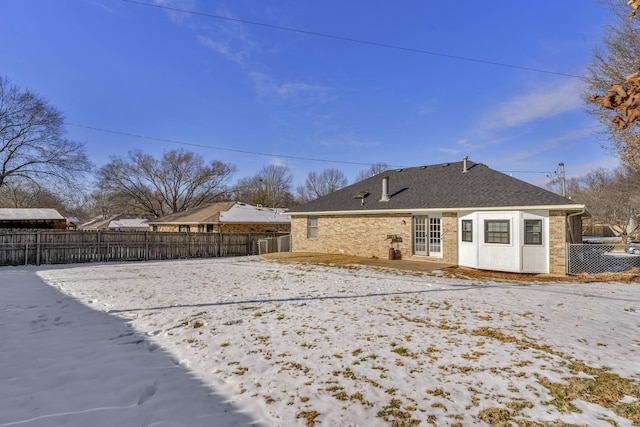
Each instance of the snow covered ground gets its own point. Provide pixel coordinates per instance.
(248, 341)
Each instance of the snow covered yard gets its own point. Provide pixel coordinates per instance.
(300, 344)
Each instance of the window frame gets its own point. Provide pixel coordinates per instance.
(496, 237)
(184, 228)
(312, 227)
(528, 235)
(466, 235)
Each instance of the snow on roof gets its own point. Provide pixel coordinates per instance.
(243, 213)
(8, 214)
(129, 223)
(94, 221)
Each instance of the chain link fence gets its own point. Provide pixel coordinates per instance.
(596, 258)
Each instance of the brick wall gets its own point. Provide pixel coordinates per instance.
(366, 236)
(450, 238)
(557, 242)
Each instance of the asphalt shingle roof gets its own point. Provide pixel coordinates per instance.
(442, 186)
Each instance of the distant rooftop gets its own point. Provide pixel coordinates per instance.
(28, 214)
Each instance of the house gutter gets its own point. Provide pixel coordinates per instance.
(579, 208)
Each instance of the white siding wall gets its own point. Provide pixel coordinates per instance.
(513, 256)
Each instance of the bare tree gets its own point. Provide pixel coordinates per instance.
(612, 91)
(32, 142)
(374, 169)
(320, 184)
(271, 186)
(27, 194)
(571, 185)
(178, 180)
(611, 198)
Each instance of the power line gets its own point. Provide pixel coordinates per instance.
(234, 150)
(255, 153)
(353, 40)
(545, 172)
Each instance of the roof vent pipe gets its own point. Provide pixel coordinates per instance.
(464, 164)
(385, 189)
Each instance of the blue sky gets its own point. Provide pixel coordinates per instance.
(228, 89)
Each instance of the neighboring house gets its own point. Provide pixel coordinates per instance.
(72, 223)
(32, 218)
(460, 213)
(122, 222)
(224, 217)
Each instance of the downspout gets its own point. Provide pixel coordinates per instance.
(566, 246)
(582, 211)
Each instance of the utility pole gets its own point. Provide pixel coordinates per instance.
(564, 181)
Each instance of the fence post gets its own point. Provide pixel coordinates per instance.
(37, 247)
(99, 248)
(146, 246)
(188, 242)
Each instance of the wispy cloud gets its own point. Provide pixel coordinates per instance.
(460, 146)
(532, 106)
(224, 48)
(304, 93)
(174, 15)
(546, 145)
(277, 161)
(234, 43)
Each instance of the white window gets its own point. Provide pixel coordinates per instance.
(312, 227)
(497, 231)
(533, 232)
(467, 230)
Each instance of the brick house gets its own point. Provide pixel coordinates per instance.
(32, 218)
(461, 213)
(224, 217)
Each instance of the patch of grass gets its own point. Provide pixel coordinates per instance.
(495, 416)
(240, 371)
(401, 351)
(493, 333)
(264, 339)
(393, 413)
(601, 387)
(309, 416)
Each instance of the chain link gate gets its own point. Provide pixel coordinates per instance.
(274, 244)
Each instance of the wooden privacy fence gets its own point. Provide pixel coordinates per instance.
(35, 247)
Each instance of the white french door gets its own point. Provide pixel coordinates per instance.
(435, 236)
(427, 235)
